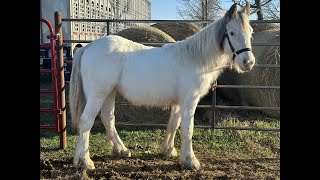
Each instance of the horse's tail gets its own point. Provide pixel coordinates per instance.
(76, 95)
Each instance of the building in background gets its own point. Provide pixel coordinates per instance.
(93, 9)
(109, 9)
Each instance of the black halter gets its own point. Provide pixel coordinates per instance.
(232, 48)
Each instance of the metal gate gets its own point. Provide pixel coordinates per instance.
(55, 91)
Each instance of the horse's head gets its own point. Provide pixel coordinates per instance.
(236, 40)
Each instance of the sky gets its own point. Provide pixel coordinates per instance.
(166, 9)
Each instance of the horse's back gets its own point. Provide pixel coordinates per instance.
(114, 44)
(108, 54)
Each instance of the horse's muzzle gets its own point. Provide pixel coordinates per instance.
(248, 64)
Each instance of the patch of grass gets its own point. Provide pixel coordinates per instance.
(231, 144)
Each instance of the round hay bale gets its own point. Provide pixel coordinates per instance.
(145, 34)
(258, 27)
(178, 31)
(257, 76)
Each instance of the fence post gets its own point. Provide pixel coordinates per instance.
(214, 98)
(108, 27)
(61, 84)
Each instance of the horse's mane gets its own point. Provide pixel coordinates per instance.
(200, 48)
(203, 49)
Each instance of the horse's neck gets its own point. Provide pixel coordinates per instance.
(201, 50)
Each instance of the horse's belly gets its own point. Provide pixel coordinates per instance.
(143, 97)
(152, 85)
(151, 92)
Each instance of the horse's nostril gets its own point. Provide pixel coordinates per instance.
(247, 62)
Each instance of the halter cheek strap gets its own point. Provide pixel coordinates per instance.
(232, 48)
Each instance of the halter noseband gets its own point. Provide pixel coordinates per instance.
(232, 48)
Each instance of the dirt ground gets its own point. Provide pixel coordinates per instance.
(155, 167)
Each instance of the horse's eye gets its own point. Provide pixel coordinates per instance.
(231, 33)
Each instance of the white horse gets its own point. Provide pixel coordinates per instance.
(175, 75)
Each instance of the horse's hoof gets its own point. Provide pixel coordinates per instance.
(191, 164)
(123, 153)
(88, 164)
(171, 152)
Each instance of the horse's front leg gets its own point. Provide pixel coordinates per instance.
(187, 158)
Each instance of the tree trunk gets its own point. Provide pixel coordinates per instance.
(202, 6)
(206, 9)
(259, 10)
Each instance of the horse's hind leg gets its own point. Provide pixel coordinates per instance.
(167, 147)
(108, 119)
(87, 118)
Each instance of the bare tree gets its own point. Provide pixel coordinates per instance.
(210, 9)
(272, 10)
(265, 9)
(198, 9)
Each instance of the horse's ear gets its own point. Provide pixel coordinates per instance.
(246, 9)
(232, 11)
